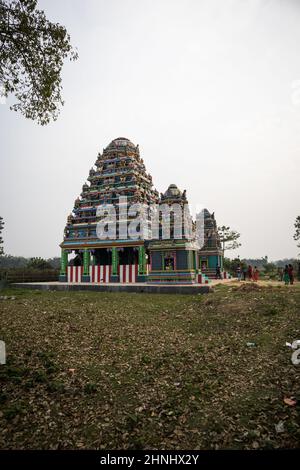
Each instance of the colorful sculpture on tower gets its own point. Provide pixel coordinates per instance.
(117, 231)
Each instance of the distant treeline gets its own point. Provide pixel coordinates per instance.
(262, 262)
(9, 262)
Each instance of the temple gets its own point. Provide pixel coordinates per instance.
(114, 245)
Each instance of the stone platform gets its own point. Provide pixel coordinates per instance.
(116, 287)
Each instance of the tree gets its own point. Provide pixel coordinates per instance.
(270, 268)
(32, 53)
(38, 263)
(228, 238)
(9, 261)
(297, 227)
(54, 262)
(231, 265)
(1, 239)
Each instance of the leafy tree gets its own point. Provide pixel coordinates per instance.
(229, 238)
(54, 262)
(297, 227)
(1, 239)
(231, 265)
(270, 268)
(38, 263)
(32, 52)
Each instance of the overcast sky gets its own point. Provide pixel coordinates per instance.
(209, 89)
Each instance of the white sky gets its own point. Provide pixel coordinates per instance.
(210, 89)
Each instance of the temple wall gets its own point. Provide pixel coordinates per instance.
(156, 260)
(74, 273)
(101, 274)
(213, 261)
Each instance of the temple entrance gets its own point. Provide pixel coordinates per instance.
(102, 257)
(203, 264)
(77, 260)
(128, 255)
(169, 263)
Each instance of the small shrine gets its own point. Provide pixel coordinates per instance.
(174, 255)
(211, 254)
(161, 253)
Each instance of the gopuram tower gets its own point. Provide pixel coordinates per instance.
(119, 174)
(106, 241)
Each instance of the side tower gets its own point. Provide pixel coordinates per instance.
(211, 254)
(173, 253)
(119, 172)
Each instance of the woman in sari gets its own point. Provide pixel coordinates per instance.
(255, 274)
(286, 276)
(250, 273)
(291, 273)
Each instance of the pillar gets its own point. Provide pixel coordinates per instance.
(195, 265)
(115, 263)
(142, 271)
(86, 266)
(63, 266)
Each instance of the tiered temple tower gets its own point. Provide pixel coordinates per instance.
(119, 179)
(119, 172)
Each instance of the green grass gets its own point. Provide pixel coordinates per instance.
(150, 371)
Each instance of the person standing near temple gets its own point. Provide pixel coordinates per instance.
(291, 273)
(255, 274)
(239, 272)
(286, 276)
(250, 273)
(218, 272)
(244, 272)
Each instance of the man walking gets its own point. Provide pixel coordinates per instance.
(218, 272)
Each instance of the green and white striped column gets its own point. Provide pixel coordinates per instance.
(63, 265)
(142, 271)
(86, 265)
(115, 263)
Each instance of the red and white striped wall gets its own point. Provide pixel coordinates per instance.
(75, 273)
(128, 273)
(100, 273)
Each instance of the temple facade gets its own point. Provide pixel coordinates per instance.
(104, 240)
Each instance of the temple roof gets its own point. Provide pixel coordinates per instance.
(120, 142)
(173, 194)
(172, 191)
(208, 215)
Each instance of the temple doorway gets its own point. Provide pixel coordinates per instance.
(203, 264)
(128, 255)
(102, 257)
(77, 259)
(169, 263)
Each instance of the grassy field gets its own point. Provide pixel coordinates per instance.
(137, 371)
